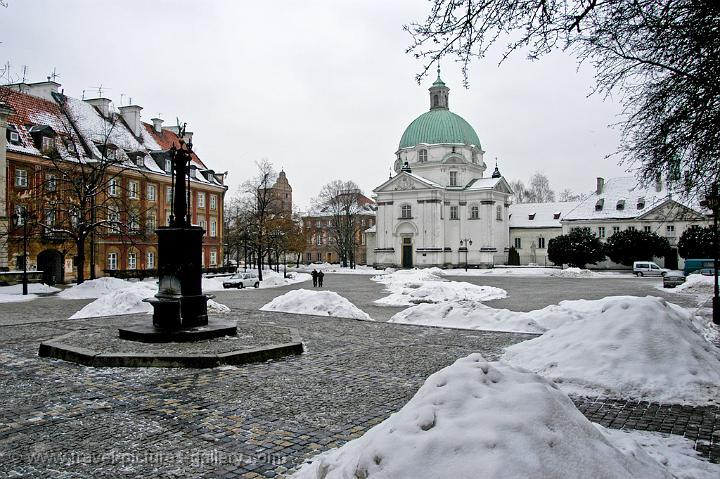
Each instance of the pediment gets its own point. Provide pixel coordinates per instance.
(503, 187)
(671, 210)
(405, 182)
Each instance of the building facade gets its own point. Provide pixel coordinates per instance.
(51, 140)
(439, 209)
(533, 225)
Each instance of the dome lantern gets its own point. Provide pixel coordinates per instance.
(439, 94)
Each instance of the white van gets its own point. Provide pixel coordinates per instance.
(648, 268)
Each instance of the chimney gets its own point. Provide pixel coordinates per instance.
(600, 185)
(131, 115)
(157, 124)
(43, 89)
(658, 183)
(102, 104)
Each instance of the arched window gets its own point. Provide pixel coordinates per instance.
(436, 101)
(405, 211)
(474, 212)
(422, 156)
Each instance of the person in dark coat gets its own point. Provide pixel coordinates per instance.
(314, 275)
(320, 277)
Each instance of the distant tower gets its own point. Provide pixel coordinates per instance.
(282, 193)
(439, 94)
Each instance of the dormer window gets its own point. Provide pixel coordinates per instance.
(556, 215)
(640, 203)
(620, 205)
(422, 156)
(12, 135)
(531, 216)
(599, 204)
(47, 143)
(168, 166)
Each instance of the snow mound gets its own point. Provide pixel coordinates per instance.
(437, 292)
(697, 284)
(129, 300)
(271, 279)
(573, 273)
(16, 298)
(480, 419)
(94, 288)
(317, 303)
(642, 348)
(467, 315)
(407, 278)
(33, 288)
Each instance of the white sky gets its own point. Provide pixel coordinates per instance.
(322, 88)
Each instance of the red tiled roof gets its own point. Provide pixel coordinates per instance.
(26, 106)
(168, 138)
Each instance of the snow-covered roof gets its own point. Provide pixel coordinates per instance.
(482, 184)
(621, 198)
(539, 215)
(372, 229)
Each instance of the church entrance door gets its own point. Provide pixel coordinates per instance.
(50, 262)
(407, 259)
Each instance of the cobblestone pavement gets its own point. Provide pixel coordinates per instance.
(60, 419)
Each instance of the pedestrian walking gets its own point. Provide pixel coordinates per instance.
(320, 277)
(314, 275)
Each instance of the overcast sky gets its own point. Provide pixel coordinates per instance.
(323, 89)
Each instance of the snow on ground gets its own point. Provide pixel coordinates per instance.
(534, 271)
(643, 348)
(415, 286)
(127, 298)
(318, 303)
(480, 419)
(467, 315)
(95, 288)
(336, 268)
(696, 284)
(13, 294)
(574, 273)
(674, 452)
(271, 279)
(16, 298)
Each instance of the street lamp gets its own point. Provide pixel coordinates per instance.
(468, 243)
(23, 215)
(712, 201)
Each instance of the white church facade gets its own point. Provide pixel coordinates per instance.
(440, 208)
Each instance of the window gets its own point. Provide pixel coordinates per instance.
(112, 261)
(318, 256)
(318, 224)
(422, 156)
(308, 257)
(168, 194)
(51, 183)
(498, 213)
(601, 231)
(453, 178)
(113, 187)
(647, 229)
(405, 211)
(541, 243)
(670, 230)
(150, 262)
(202, 259)
(113, 217)
(213, 202)
(151, 192)
(21, 213)
(20, 262)
(200, 199)
(453, 212)
(518, 243)
(133, 222)
(203, 224)
(47, 143)
(616, 229)
(631, 228)
(599, 204)
(213, 227)
(132, 261)
(168, 166)
(474, 213)
(151, 223)
(133, 189)
(50, 216)
(14, 137)
(213, 257)
(21, 178)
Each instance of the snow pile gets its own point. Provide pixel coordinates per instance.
(271, 279)
(415, 286)
(467, 315)
(128, 299)
(317, 303)
(697, 284)
(573, 273)
(642, 348)
(337, 268)
(95, 288)
(489, 420)
(33, 288)
(16, 298)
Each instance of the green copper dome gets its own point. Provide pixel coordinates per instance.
(439, 126)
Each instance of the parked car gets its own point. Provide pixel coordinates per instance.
(694, 265)
(242, 280)
(648, 268)
(673, 278)
(705, 272)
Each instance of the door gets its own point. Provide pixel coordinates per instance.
(50, 262)
(407, 259)
(671, 259)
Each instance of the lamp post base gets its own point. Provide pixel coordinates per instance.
(716, 310)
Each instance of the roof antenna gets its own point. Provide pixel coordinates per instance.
(25, 72)
(121, 98)
(54, 75)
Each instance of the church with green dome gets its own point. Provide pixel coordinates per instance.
(440, 208)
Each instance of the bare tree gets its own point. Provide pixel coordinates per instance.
(340, 202)
(659, 56)
(519, 191)
(569, 195)
(539, 190)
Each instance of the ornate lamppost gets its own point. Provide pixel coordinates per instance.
(467, 243)
(24, 216)
(712, 201)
